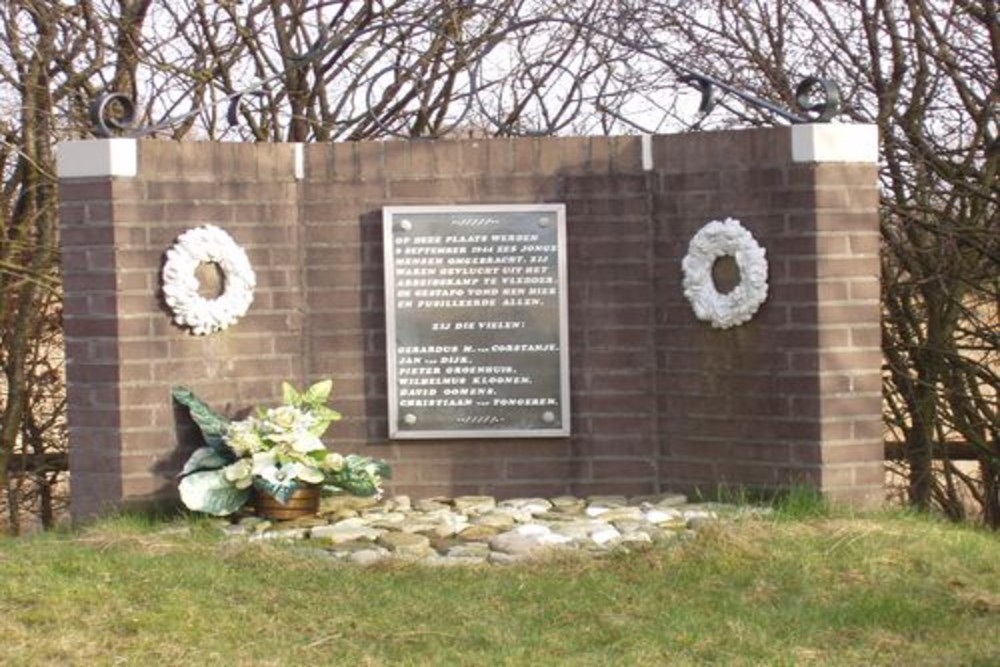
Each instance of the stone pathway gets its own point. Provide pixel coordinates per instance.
(476, 530)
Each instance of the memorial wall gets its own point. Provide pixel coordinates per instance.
(517, 317)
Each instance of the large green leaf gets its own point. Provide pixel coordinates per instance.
(212, 424)
(208, 491)
(360, 475)
(204, 458)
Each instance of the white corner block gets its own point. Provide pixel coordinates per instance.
(647, 152)
(90, 158)
(824, 142)
(300, 161)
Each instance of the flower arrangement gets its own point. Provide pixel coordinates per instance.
(275, 451)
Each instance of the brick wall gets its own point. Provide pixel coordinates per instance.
(660, 401)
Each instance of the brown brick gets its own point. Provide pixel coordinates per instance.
(545, 469)
(603, 469)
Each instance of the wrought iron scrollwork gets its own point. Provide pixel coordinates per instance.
(824, 110)
(812, 111)
(112, 114)
(544, 100)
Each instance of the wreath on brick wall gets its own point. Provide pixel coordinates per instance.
(207, 244)
(715, 240)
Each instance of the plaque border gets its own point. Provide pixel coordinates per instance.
(389, 276)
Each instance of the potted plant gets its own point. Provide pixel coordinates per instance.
(275, 456)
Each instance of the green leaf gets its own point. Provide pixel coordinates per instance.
(281, 492)
(208, 491)
(319, 393)
(212, 424)
(289, 396)
(325, 414)
(204, 458)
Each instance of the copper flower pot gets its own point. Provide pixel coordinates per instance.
(304, 501)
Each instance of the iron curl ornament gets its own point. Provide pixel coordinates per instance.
(537, 98)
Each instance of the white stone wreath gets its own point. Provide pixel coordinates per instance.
(719, 239)
(180, 284)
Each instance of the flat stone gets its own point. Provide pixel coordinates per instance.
(377, 517)
(499, 520)
(605, 535)
(400, 503)
(332, 504)
(638, 537)
(431, 504)
(339, 533)
(474, 504)
(529, 505)
(568, 503)
(607, 501)
(478, 532)
(514, 544)
(405, 544)
(518, 515)
(415, 524)
(447, 528)
(621, 514)
(557, 516)
(581, 529)
(443, 545)
(628, 526)
(657, 515)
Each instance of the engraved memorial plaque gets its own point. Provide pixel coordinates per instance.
(476, 321)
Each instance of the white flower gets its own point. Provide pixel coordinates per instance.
(285, 421)
(239, 474)
(306, 473)
(263, 462)
(242, 437)
(307, 442)
(333, 462)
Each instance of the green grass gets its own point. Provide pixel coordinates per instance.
(807, 587)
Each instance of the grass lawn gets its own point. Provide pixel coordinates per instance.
(822, 589)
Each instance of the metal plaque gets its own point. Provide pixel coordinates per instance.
(476, 321)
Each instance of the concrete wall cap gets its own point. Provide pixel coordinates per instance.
(89, 158)
(835, 143)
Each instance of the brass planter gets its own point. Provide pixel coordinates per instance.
(303, 502)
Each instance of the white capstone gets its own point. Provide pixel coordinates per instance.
(829, 142)
(97, 157)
